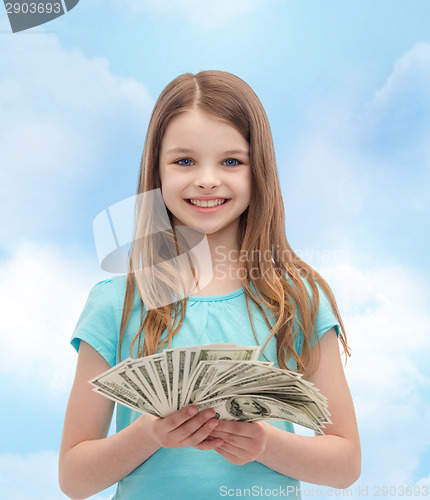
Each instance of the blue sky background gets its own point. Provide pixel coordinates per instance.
(346, 89)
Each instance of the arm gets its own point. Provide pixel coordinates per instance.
(90, 461)
(333, 459)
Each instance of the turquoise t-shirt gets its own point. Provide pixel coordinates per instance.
(188, 473)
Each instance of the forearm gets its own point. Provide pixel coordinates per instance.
(326, 459)
(93, 465)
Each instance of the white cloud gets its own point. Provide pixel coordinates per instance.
(42, 291)
(207, 14)
(424, 482)
(406, 89)
(395, 126)
(387, 322)
(33, 476)
(358, 167)
(58, 111)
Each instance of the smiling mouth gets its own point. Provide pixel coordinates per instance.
(204, 203)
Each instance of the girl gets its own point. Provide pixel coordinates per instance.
(209, 139)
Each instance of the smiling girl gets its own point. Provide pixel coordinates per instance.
(209, 149)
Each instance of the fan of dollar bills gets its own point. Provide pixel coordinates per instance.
(225, 377)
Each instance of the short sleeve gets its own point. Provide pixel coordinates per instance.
(325, 319)
(98, 324)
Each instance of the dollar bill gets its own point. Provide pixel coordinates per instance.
(250, 408)
(226, 377)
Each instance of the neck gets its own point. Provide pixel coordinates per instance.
(224, 254)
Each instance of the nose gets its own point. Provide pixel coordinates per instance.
(207, 177)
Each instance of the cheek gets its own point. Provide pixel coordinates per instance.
(245, 186)
(171, 195)
(167, 186)
(245, 194)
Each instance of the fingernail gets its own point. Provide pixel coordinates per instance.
(212, 425)
(193, 411)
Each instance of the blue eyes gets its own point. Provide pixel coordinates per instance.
(183, 159)
(234, 159)
(228, 159)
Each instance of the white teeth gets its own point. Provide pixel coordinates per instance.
(209, 203)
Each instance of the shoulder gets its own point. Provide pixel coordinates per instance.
(99, 322)
(109, 292)
(325, 317)
(110, 285)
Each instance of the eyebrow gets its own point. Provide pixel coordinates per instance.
(190, 151)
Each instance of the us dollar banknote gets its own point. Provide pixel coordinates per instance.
(228, 378)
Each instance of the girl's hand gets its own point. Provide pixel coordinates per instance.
(185, 427)
(243, 441)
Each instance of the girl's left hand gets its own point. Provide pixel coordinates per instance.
(243, 441)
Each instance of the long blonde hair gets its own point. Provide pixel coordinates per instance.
(278, 282)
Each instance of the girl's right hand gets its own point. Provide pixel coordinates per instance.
(186, 427)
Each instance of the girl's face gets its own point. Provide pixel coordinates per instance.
(205, 158)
